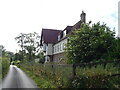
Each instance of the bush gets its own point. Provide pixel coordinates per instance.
(5, 66)
(98, 81)
(96, 77)
(0, 68)
(90, 43)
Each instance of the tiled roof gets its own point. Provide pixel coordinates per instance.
(49, 35)
(68, 29)
(77, 25)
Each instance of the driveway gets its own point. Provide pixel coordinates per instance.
(16, 78)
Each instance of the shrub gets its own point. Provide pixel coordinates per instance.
(96, 77)
(90, 43)
(5, 66)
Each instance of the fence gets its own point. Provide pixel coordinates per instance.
(70, 68)
(93, 64)
(65, 74)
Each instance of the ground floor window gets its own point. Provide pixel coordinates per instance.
(47, 58)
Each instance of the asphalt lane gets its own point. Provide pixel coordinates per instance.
(16, 78)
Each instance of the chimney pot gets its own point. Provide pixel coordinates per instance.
(83, 17)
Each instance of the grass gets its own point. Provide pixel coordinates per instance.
(97, 77)
(99, 69)
(60, 76)
(41, 81)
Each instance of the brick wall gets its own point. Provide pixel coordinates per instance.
(59, 58)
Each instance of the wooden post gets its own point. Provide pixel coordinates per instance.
(74, 70)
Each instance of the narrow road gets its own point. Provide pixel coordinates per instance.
(16, 78)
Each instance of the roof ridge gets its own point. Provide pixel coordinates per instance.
(51, 29)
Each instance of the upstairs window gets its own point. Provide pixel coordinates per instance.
(64, 33)
(61, 35)
(60, 47)
(58, 37)
(54, 49)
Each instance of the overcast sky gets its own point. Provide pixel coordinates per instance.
(25, 16)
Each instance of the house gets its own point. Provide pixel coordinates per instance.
(48, 38)
(53, 41)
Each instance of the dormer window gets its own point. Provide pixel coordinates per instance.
(64, 33)
(58, 37)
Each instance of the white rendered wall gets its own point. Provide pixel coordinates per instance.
(59, 47)
(49, 49)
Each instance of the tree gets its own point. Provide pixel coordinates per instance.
(116, 49)
(18, 56)
(30, 43)
(2, 48)
(90, 43)
(20, 40)
(41, 57)
(9, 54)
(5, 53)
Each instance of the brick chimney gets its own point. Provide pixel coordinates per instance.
(83, 17)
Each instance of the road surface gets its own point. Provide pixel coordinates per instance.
(16, 78)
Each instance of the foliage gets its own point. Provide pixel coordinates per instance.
(29, 44)
(0, 68)
(5, 66)
(54, 74)
(35, 74)
(41, 57)
(2, 49)
(20, 55)
(5, 53)
(96, 77)
(61, 76)
(17, 56)
(90, 43)
(4, 61)
(116, 50)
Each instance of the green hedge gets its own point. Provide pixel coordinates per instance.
(5, 66)
(0, 67)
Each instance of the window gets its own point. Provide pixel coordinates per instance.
(55, 60)
(55, 48)
(64, 33)
(44, 47)
(58, 37)
(61, 35)
(62, 46)
(58, 48)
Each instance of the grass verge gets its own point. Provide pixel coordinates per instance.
(59, 76)
(41, 81)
